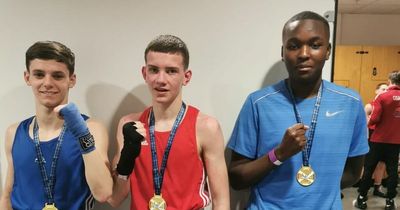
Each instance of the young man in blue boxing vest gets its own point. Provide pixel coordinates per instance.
(57, 159)
(297, 142)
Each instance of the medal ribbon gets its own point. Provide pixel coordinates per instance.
(48, 181)
(307, 149)
(158, 175)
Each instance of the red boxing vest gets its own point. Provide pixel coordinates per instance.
(184, 185)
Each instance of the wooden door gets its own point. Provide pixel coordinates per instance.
(380, 61)
(377, 63)
(347, 70)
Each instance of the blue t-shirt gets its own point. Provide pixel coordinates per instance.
(71, 191)
(341, 132)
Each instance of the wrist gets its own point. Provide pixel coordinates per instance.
(86, 143)
(119, 176)
(272, 157)
(123, 177)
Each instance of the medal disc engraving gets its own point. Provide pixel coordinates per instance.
(305, 176)
(49, 207)
(157, 203)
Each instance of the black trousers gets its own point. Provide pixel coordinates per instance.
(388, 153)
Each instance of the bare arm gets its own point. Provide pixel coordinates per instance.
(368, 110)
(376, 112)
(245, 172)
(97, 166)
(211, 142)
(352, 171)
(5, 202)
(121, 187)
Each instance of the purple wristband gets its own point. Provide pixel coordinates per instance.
(273, 159)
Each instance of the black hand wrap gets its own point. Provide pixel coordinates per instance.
(131, 149)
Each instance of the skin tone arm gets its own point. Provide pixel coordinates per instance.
(368, 110)
(245, 172)
(352, 171)
(5, 202)
(211, 142)
(97, 169)
(121, 187)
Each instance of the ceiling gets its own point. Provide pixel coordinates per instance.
(369, 6)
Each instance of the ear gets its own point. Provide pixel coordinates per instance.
(328, 51)
(26, 77)
(72, 81)
(144, 73)
(188, 76)
(282, 53)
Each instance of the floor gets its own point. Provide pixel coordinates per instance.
(374, 202)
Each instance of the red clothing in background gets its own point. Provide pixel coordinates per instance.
(386, 116)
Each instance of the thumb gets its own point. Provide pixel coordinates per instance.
(58, 108)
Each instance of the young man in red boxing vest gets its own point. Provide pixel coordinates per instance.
(169, 151)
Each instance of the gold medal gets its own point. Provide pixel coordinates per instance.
(48, 206)
(305, 176)
(157, 203)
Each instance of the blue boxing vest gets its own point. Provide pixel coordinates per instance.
(71, 191)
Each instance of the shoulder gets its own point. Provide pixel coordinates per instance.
(11, 129)
(10, 134)
(208, 131)
(266, 93)
(340, 91)
(206, 123)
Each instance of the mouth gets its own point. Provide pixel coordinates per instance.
(162, 90)
(304, 68)
(48, 93)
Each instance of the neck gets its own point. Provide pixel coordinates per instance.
(304, 90)
(167, 111)
(47, 119)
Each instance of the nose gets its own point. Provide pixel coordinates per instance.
(304, 52)
(47, 81)
(161, 77)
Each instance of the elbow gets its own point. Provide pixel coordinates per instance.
(236, 182)
(114, 203)
(102, 195)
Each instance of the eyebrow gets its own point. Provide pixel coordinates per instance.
(312, 39)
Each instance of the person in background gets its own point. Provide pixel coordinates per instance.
(384, 142)
(380, 170)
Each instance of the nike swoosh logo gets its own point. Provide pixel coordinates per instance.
(331, 114)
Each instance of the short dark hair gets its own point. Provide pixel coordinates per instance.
(51, 50)
(394, 77)
(305, 15)
(169, 44)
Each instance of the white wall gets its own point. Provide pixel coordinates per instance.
(234, 48)
(368, 29)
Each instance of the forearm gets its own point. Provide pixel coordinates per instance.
(220, 199)
(352, 171)
(121, 189)
(220, 205)
(98, 176)
(247, 173)
(5, 201)
(349, 179)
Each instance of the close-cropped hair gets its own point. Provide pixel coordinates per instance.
(394, 77)
(379, 85)
(308, 15)
(169, 44)
(51, 50)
